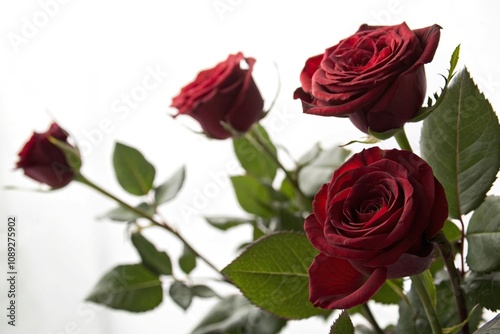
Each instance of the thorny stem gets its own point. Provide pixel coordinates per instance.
(369, 316)
(448, 256)
(80, 178)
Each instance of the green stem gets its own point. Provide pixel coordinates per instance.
(258, 141)
(448, 257)
(82, 179)
(371, 319)
(430, 311)
(402, 140)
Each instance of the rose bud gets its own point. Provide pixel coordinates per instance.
(46, 162)
(375, 77)
(375, 220)
(222, 99)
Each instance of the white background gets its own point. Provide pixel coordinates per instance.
(76, 66)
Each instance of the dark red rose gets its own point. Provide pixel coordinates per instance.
(43, 161)
(375, 77)
(224, 94)
(373, 221)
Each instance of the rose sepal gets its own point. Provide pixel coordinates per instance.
(71, 153)
(439, 98)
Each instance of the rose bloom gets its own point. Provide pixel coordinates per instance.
(225, 94)
(43, 161)
(373, 221)
(375, 77)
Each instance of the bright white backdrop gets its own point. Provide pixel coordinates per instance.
(84, 63)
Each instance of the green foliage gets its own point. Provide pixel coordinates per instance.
(202, 291)
(181, 294)
(251, 157)
(451, 231)
(169, 189)
(343, 324)
(413, 320)
(390, 292)
(226, 223)
(156, 261)
(122, 214)
(428, 281)
(461, 141)
(128, 287)
(483, 235)
(317, 167)
(484, 289)
(236, 315)
(273, 274)
(253, 196)
(187, 261)
(134, 173)
(491, 327)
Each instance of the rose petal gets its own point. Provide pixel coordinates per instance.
(336, 284)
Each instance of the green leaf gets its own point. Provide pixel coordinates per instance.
(123, 214)
(225, 223)
(343, 324)
(128, 287)
(253, 196)
(428, 281)
(290, 221)
(453, 62)
(461, 142)
(236, 315)
(273, 274)
(483, 235)
(187, 261)
(181, 294)
(167, 190)
(252, 159)
(157, 261)
(484, 289)
(257, 233)
(319, 170)
(134, 173)
(390, 292)
(455, 329)
(491, 327)
(451, 231)
(203, 291)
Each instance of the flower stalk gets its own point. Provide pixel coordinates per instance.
(82, 179)
(402, 140)
(448, 257)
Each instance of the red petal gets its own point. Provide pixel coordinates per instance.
(335, 284)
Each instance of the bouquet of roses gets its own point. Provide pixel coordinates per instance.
(340, 228)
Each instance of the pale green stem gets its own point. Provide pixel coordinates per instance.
(80, 178)
(402, 140)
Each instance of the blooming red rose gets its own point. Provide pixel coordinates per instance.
(43, 161)
(224, 94)
(373, 221)
(375, 77)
